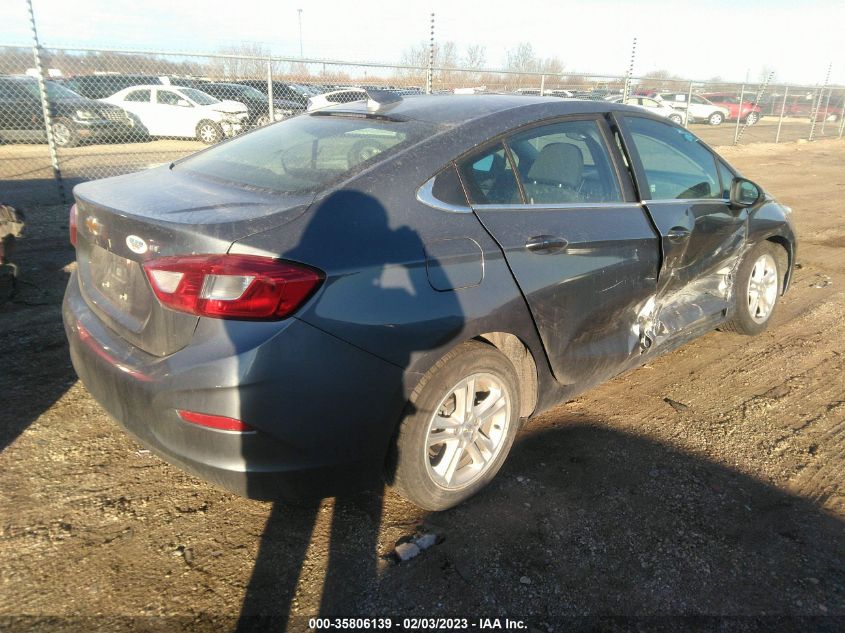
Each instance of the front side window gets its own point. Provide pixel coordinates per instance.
(727, 177)
(676, 164)
(166, 97)
(199, 97)
(565, 162)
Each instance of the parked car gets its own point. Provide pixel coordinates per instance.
(660, 108)
(746, 111)
(105, 85)
(256, 103)
(342, 95)
(803, 105)
(295, 93)
(75, 118)
(363, 291)
(182, 112)
(698, 108)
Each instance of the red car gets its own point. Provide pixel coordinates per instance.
(803, 105)
(747, 111)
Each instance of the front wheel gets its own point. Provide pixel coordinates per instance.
(752, 118)
(262, 120)
(65, 134)
(209, 132)
(676, 118)
(759, 283)
(716, 118)
(458, 429)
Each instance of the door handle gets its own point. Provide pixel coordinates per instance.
(678, 233)
(546, 244)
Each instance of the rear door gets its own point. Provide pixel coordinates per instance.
(138, 103)
(581, 249)
(701, 237)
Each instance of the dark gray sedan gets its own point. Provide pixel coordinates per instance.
(392, 287)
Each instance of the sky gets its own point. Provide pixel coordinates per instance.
(730, 39)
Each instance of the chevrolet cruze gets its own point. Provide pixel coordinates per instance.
(392, 287)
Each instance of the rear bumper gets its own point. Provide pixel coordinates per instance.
(324, 410)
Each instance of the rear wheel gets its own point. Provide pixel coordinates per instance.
(716, 118)
(209, 132)
(752, 118)
(459, 427)
(759, 283)
(262, 120)
(676, 118)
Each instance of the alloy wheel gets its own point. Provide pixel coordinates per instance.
(467, 431)
(762, 288)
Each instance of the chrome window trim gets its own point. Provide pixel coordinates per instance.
(425, 194)
(568, 206)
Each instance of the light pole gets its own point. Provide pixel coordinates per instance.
(299, 11)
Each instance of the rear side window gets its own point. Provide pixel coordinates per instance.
(141, 96)
(305, 154)
(489, 178)
(565, 162)
(676, 165)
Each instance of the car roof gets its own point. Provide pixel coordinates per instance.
(459, 109)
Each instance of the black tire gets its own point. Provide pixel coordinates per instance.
(742, 321)
(209, 132)
(751, 118)
(65, 133)
(717, 118)
(412, 462)
(262, 120)
(676, 118)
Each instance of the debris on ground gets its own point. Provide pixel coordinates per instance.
(677, 406)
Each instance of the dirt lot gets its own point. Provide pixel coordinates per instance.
(725, 510)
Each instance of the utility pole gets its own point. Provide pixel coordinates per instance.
(430, 75)
(299, 12)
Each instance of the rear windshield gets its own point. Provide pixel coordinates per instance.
(306, 154)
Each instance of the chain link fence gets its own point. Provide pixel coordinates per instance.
(113, 112)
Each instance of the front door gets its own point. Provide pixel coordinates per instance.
(701, 236)
(582, 251)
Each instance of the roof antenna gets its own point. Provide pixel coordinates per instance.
(378, 99)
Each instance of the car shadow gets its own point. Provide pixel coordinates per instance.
(586, 528)
(36, 369)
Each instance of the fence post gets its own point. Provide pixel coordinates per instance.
(739, 113)
(818, 103)
(842, 116)
(542, 85)
(430, 74)
(689, 99)
(270, 89)
(782, 111)
(826, 107)
(45, 107)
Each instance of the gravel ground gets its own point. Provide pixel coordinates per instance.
(703, 491)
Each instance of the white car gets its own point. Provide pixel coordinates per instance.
(342, 95)
(182, 112)
(698, 108)
(653, 105)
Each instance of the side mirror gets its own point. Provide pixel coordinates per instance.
(184, 103)
(744, 193)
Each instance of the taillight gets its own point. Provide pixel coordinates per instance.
(231, 286)
(218, 422)
(72, 222)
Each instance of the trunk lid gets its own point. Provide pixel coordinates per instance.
(127, 220)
